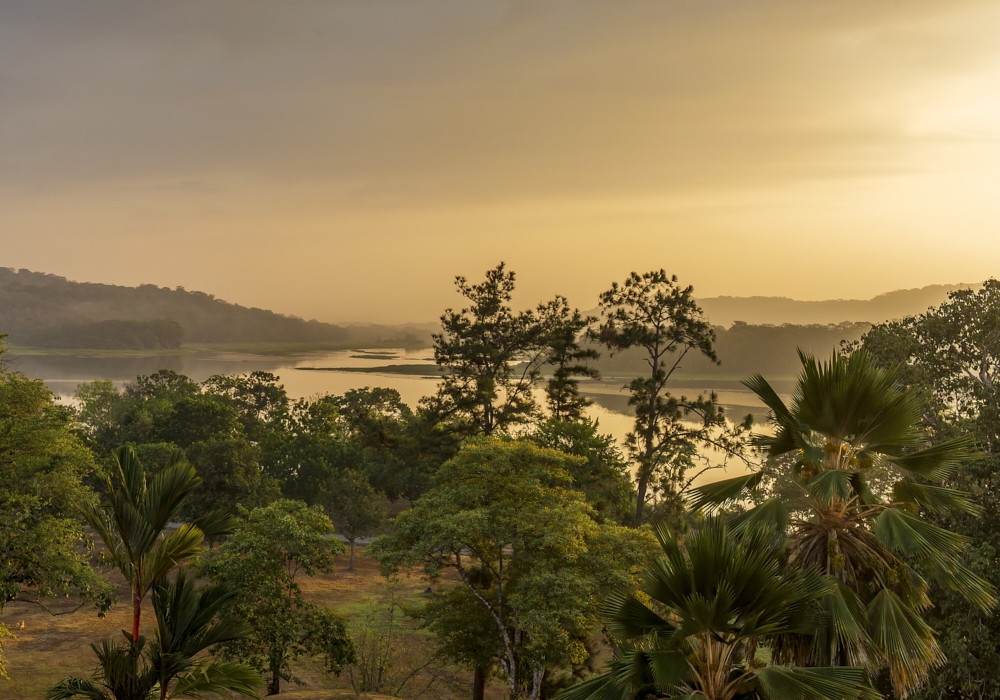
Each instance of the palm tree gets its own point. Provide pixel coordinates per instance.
(851, 425)
(703, 612)
(188, 623)
(133, 524)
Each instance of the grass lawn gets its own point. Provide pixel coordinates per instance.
(52, 647)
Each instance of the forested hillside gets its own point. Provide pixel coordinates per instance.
(50, 311)
(724, 311)
(744, 349)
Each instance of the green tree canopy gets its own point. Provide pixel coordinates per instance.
(43, 465)
(261, 563)
(231, 476)
(355, 507)
(531, 559)
(568, 359)
(492, 356)
(603, 476)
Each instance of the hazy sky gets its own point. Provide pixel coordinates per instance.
(345, 159)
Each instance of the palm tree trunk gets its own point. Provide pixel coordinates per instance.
(136, 612)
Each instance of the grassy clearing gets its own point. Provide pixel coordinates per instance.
(51, 648)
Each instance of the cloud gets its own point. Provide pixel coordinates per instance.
(205, 125)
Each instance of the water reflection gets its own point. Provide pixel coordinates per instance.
(63, 373)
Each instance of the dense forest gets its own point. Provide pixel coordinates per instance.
(49, 311)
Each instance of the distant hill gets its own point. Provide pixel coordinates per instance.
(724, 311)
(744, 349)
(49, 311)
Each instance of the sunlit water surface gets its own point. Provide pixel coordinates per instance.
(64, 373)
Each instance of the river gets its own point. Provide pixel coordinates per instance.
(306, 375)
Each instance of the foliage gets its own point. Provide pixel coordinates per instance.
(313, 449)
(133, 523)
(527, 550)
(703, 611)
(189, 622)
(261, 403)
(355, 507)
(400, 447)
(569, 360)
(32, 301)
(653, 313)
(479, 347)
(231, 476)
(604, 477)
(261, 564)
(196, 419)
(5, 634)
(849, 421)
(951, 357)
(44, 549)
(112, 335)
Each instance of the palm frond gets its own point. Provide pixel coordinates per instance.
(626, 617)
(936, 499)
(77, 688)
(906, 534)
(794, 683)
(905, 640)
(772, 514)
(174, 549)
(937, 462)
(724, 491)
(218, 678)
(958, 578)
(215, 523)
(832, 484)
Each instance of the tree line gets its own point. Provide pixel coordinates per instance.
(846, 559)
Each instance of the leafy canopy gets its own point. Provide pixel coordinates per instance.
(261, 564)
(532, 560)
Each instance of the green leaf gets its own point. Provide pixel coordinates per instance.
(907, 535)
(905, 640)
(831, 484)
(935, 498)
(795, 683)
(771, 514)
(720, 492)
(937, 462)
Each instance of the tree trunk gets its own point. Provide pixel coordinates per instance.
(640, 499)
(136, 612)
(351, 567)
(479, 684)
(274, 687)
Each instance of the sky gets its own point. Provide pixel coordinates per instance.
(345, 159)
